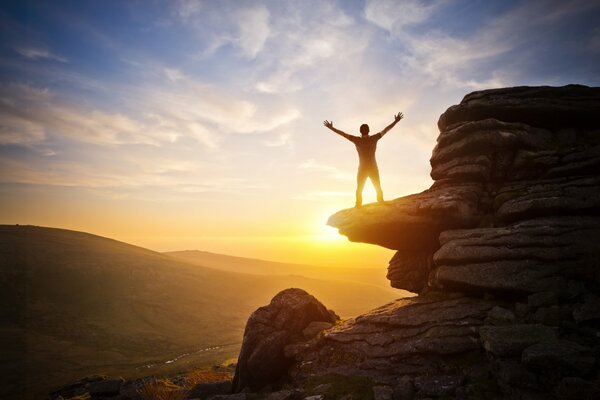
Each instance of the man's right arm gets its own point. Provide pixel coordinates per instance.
(329, 124)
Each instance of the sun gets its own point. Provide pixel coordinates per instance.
(324, 232)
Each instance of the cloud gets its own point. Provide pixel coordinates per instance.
(186, 9)
(39, 54)
(244, 26)
(330, 171)
(430, 52)
(281, 139)
(311, 37)
(253, 29)
(281, 81)
(391, 14)
(30, 114)
(187, 108)
(173, 74)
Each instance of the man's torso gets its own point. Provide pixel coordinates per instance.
(366, 146)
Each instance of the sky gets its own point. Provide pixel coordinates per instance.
(198, 124)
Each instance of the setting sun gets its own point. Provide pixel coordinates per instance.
(168, 169)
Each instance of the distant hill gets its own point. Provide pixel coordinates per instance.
(374, 276)
(76, 304)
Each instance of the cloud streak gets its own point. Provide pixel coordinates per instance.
(33, 53)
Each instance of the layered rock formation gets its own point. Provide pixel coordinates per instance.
(503, 251)
(517, 188)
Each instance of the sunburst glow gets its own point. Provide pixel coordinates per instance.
(198, 124)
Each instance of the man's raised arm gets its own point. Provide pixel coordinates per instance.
(397, 119)
(329, 124)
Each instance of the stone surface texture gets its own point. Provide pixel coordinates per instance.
(503, 251)
(262, 361)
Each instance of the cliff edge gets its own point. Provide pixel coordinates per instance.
(503, 252)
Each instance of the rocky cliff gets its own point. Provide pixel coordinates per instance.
(503, 251)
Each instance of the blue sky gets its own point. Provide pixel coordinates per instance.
(186, 123)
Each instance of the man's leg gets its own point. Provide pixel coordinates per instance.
(361, 179)
(374, 175)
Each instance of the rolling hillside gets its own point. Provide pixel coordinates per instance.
(374, 276)
(76, 304)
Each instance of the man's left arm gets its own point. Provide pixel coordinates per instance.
(397, 119)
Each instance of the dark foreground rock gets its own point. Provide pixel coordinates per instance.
(269, 330)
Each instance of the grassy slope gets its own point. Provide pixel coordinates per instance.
(76, 304)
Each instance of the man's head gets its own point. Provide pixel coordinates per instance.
(364, 129)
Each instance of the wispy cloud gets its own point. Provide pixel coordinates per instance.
(244, 26)
(253, 29)
(325, 169)
(392, 15)
(173, 74)
(459, 61)
(280, 139)
(40, 54)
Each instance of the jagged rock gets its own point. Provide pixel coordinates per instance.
(571, 106)
(500, 316)
(409, 270)
(571, 359)
(551, 197)
(472, 151)
(269, 330)
(525, 276)
(511, 340)
(520, 257)
(412, 335)
(440, 385)
(414, 222)
(544, 239)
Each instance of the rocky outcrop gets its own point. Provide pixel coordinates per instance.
(503, 253)
(291, 316)
(517, 177)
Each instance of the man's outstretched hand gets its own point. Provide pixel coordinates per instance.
(328, 124)
(398, 117)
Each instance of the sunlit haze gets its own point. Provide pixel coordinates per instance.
(198, 124)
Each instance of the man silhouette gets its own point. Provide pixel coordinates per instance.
(367, 165)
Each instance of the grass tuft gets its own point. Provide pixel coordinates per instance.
(162, 389)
